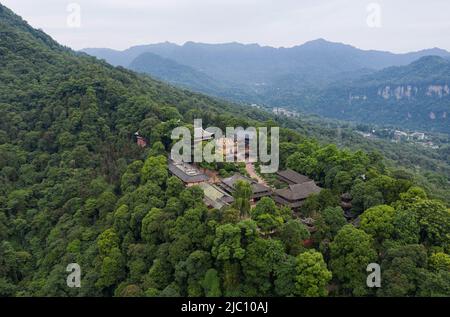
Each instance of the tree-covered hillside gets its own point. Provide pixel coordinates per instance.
(177, 74)
(75, 188)
(415, 96)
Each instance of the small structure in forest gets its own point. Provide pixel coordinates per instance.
(140, 141)
(346, 201)
(308, 243)
(310, 224)
(346, 205)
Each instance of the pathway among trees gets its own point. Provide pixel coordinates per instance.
(250, 168)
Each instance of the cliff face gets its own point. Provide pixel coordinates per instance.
(416, 96)
(411, 91)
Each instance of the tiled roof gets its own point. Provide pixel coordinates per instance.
(293, 176)
(299, 191)
(187, 173)
(256, 187)
(215, 197)
(230, 181)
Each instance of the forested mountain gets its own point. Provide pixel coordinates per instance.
(317, 77)
(171, 71)
(181, 75)
(76, 188)
(416, 96)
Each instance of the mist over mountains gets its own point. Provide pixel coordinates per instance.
(319, 77)
(234, 54)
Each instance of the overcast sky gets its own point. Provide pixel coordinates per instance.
(394, 25)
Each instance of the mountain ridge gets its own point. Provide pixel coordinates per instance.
(295, 77)
(137, 49)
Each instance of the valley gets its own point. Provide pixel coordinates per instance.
(333, 80)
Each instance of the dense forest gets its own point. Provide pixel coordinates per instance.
(75, 188)
(429, 168)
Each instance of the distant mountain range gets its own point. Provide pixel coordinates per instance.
(185, 76)
(319, 77)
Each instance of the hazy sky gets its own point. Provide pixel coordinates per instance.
(394, 25)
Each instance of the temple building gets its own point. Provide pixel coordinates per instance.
(258, 190)
(292, 177)
(187, 173)
(295, 195)
(300, 187)
(215, 197)
(240, 152)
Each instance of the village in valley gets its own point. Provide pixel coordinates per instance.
(426, 140)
